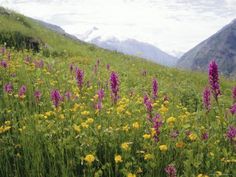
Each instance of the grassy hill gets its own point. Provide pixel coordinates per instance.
(56, 121)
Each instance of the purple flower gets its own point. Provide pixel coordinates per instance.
(148, 104)
(154, 88)
(214, 79)
(205, 136)
(231, 133)
(234, 94)
(68, 95)
(171, 170)
(233, 109)
(79, 77)
(174, 134)
(8, 88)
(100, 94)
(108, 67)
(56, 97)
(22, 91)
(157, 122)
(4, 64)
(206, 98)
(37, 95)
(114, 85)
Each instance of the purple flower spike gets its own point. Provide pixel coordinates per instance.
(4, 64)
(231, 133)
(56, 97)
(214, 79)
(37, 95)
(234, 94)
(114, 84)
(8, 88)
(22, 91)
(157, 122)
(171, 170)
(154, 88)
(148, 104)
(79, 77)
(233, 109)
(206, 98)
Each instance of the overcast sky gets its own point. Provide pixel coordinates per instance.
(172, 25)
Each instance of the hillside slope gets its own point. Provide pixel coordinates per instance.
(221, 47)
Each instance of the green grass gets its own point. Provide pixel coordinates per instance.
(38, 139)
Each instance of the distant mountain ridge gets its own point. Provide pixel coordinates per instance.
(130, 47)
(221, 46)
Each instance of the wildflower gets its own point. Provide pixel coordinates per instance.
(154, 88)
(90, 120)
(171, 121)
(68, 95)
(76, 128)
(79, 77)
(202, 175)
(219, 173)
(163, 148)
(131, 175)
(146, 136)
(233, 109)
(148, 156)
(156, 125)
(8, 88)
(234, 94)
(100, 95)
(136, 125)
(214, 79)
(71, 68)
(192, 136)
(174, 134)
(4, 64)
(118, 158)
(205, 136)
(37, 95)
(144, 73)
(22, 91)
(108, 66)
(171, 170)
(231, 133)
(114, 84)
(180, 144)
(206, 99)
(55, 97)
(163, 109)
(148, 104)
(89, 159)
(125, 146)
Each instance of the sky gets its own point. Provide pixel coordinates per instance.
(175, 26)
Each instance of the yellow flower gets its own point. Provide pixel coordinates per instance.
(89, 159)
(163, 147)
(218, 173)
(146, 136)
(136, 125)
(89, 120)
(125, 146)
(99, 127)
(125, 128)
(148, 156)
(192, 136)
(163, 109)
(85, 113)
(171, 120)
(84, 125)
(118, 158)
(62, 116)
(76, 128)
(180, 144)
(202, 175)
(131, 175)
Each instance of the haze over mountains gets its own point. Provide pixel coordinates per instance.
(221, 46)
(130, 47)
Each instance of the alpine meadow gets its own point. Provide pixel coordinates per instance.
(69, 108)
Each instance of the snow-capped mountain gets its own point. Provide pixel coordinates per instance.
(128, 46)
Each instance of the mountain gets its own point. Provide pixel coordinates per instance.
(221, 46)
(130, 47)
